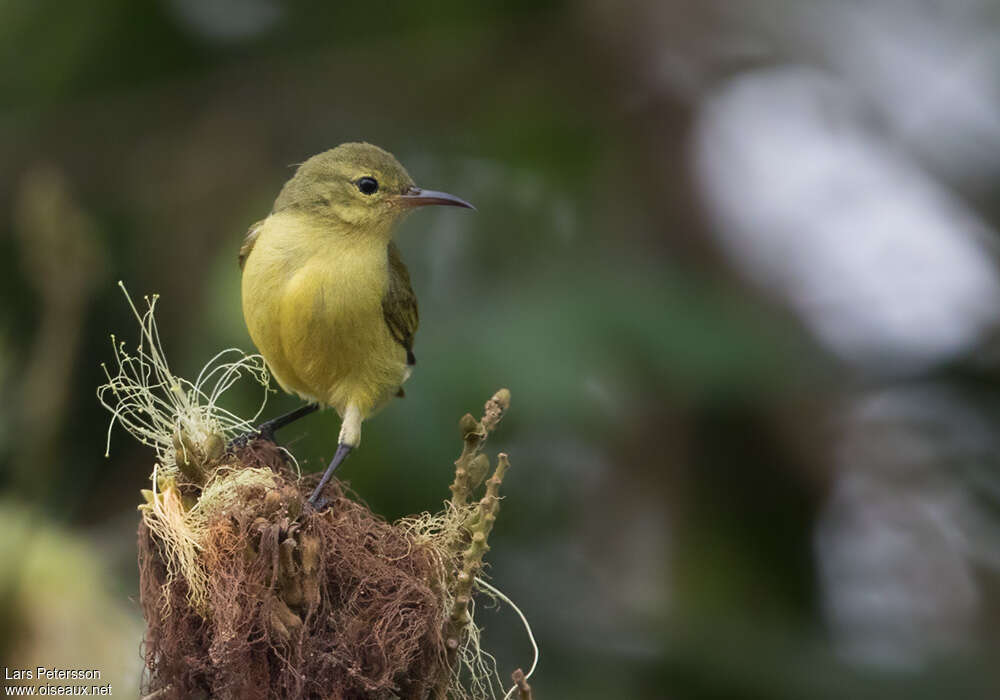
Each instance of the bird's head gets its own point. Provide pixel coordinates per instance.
(359, 186)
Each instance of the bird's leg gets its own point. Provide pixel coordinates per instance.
(350, 437)
(267, 429)
(338, 459)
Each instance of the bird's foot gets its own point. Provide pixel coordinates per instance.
(320, 504)
(263, 432)
(266, 430)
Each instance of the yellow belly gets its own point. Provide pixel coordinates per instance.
(314, 310)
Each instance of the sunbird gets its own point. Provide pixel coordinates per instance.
(326, 296)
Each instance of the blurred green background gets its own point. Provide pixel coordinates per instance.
(736, 262)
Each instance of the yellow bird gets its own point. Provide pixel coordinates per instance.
(326, 296)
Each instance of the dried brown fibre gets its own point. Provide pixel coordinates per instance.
(338, 604)
(250, 593)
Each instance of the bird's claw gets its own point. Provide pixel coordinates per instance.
(320, 504)
(241, 441)
(238, 443)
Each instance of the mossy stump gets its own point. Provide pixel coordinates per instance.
(281, 601)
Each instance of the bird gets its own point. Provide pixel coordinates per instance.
(326, 296)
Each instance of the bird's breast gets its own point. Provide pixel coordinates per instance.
(315, 313)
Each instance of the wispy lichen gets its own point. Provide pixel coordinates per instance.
(169, 413)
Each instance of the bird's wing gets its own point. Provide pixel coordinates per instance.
(248, 242)
(399, 305)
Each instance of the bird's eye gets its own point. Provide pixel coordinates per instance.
(367, 185)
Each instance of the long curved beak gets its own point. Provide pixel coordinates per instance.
(416, 197)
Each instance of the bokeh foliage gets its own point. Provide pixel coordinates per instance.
(670, 430)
